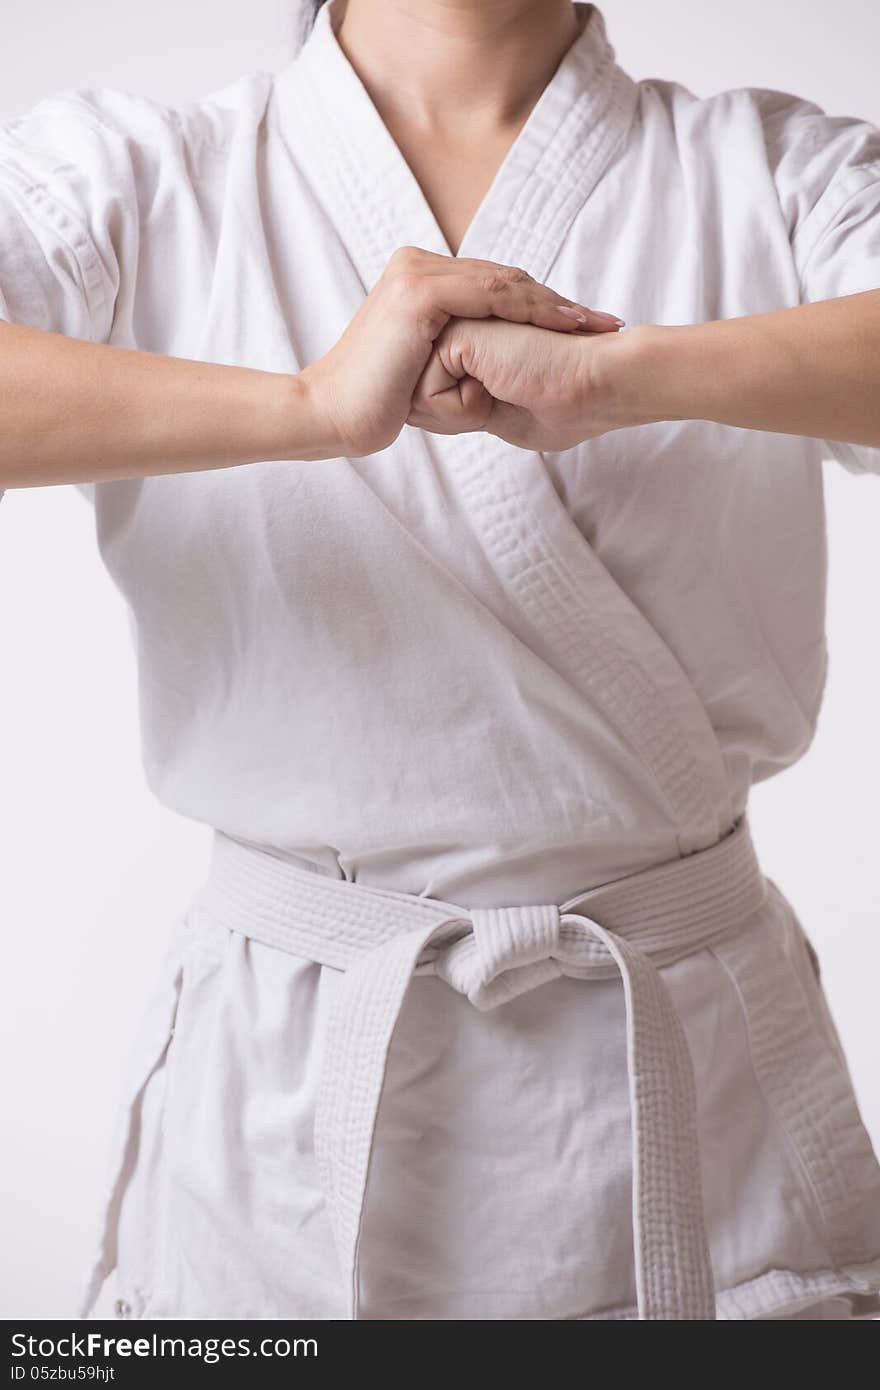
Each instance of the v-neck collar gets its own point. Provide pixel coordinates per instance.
(359, 173)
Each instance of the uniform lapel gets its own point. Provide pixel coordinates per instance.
(338, 139)
(583, 622)
(339, 142)
(559, 156)
(597, 637)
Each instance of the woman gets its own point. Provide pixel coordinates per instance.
(467, 621)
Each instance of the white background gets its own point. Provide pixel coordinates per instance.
(93, 869)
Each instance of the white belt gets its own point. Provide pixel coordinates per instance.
(380, 939)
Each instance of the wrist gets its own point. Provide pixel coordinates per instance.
(318, 407)
(298, 422)
(647, 374)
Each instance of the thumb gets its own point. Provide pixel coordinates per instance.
(446, 396)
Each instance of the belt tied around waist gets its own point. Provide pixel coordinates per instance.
(628, 927)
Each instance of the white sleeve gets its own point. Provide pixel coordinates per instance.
(66, 187)
(68, 213)
(827, 175)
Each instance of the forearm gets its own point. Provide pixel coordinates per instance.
(810, 370)
(72, 411)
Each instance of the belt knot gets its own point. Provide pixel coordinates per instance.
(510, 937)
(507, 951)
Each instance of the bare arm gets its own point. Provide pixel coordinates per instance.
(813, 370)
(73, 411)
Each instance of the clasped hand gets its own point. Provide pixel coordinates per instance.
(453, 345)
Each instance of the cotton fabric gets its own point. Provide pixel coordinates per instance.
(465, 671)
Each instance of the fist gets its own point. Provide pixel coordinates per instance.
(530, 386)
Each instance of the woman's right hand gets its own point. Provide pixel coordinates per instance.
(363, 387)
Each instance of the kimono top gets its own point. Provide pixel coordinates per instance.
(463, 671)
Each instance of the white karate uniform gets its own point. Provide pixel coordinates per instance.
(464, 672)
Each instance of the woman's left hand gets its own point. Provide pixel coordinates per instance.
(529, 386)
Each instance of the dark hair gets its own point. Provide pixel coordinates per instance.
(308, 13)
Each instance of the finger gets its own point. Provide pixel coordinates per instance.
(476, 402)
(431, 426)
(435, 381)
(437, 288)
(449, 404)
(504, 278)
(591, 320)
(512, 424)
(462, 409)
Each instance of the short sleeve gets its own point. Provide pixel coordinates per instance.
(68, 211)
(827, 174)
(65, 176)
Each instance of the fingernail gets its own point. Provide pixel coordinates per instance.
(612, 318)
(572, 313)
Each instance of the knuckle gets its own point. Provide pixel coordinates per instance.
(494, 282)
(426, 322)
(406, 286)
(505, 277)
(404, 259)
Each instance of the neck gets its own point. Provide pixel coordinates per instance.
(440, 64)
